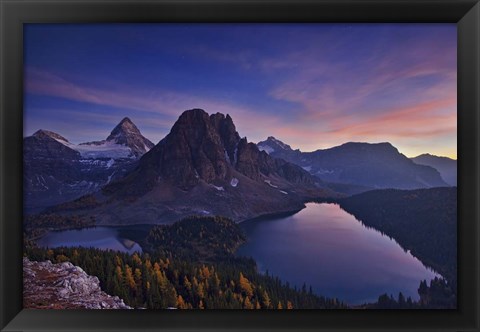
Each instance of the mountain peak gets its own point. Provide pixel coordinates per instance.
(190, 119)
(126, 123)
(46, 133)
(446, 166)
(193, 113)
(382, 146)
(125, 126)
(126, 133)
(199, 146)
(272, 144)
(431, 156)
(126, 119)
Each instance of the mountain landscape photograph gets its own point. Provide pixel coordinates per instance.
(240, 166)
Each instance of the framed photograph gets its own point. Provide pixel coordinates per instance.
(217, 165)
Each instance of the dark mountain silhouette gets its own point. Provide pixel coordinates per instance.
(202, 167)
(446, 166)
(365, 165)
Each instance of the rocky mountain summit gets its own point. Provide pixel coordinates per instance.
(128, 135)
(63, 286)
(277, 148)
(202, 147)
(202, 167)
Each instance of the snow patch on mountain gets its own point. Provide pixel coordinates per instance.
(227, 158)
(110, 163)
(102, 149)
(234, 182)
(218, 188)
(105, 150)
(324, 171)
(110, 177)
(235, 153)
(270, 183)
(268, 149)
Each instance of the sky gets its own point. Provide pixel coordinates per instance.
(313, 86)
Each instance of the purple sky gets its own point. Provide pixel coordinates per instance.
(311, 85)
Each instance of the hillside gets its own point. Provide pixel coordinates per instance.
(423, 221)
(446, 166)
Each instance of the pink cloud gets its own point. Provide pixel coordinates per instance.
(422, 122)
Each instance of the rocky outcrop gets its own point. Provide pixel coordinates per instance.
(63, 286)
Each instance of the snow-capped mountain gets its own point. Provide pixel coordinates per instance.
(278, 149)
(56, 170)
(125, 141)
(271, 144)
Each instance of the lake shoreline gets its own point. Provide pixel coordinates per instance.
(298, 250)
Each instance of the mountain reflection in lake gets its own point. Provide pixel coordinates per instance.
(329, 249)
(97, 237)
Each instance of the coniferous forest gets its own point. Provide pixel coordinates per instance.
(252, 166)
(191, 265)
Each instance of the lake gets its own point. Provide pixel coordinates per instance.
(327, 248)
(114, 238)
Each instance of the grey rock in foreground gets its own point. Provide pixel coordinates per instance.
(63, 286)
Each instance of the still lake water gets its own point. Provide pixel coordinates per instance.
(322, 246)
(327, 248)
(97, 237)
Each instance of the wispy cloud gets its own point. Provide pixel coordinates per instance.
(155, 109)
(313, 86)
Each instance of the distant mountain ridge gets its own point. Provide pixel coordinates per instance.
(446, 166)
(56, 170)
(375, 166)
(202, 167)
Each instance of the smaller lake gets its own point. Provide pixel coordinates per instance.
(327, 248)
(97, 237)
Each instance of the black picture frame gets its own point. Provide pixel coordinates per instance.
(14, 13)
